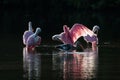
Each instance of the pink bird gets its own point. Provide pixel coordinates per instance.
(34, 40)
(70, 36)
(27, 33)
(65, 36)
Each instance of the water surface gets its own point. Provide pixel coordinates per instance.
(48, 63)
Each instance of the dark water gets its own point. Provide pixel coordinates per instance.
(48, 63)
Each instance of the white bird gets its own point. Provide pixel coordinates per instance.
(28, 32)
(34, 40)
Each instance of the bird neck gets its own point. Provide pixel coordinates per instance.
(30, 27)
(36, 33)
(94, 45)
(95, 29)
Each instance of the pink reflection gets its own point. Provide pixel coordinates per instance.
(72, 66)
(77, 65)
(31, 64)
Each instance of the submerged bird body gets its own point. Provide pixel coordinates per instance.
(69, 47)
(66, 47)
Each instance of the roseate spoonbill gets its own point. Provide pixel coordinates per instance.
(70, 36)
(64, 37)
(28, 32)
(34, 40)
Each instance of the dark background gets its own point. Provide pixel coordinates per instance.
(51, 15)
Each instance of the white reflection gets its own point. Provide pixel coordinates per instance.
(76, 65)
(31, 64)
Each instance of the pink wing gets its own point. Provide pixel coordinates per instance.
(65, 36)
(79, 30)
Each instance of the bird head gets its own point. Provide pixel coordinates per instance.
(38, 30)
(95, 29)
(56, 37)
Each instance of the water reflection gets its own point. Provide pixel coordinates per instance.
(62, 65)
(31, 64)
(76, 65)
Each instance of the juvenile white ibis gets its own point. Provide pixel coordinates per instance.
(28, 32)
(34, 40)
(70, 36)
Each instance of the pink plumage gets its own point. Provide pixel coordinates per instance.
(79, 30)
(27, 33)
(66, 36)
(34, 40)
(70, 36)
